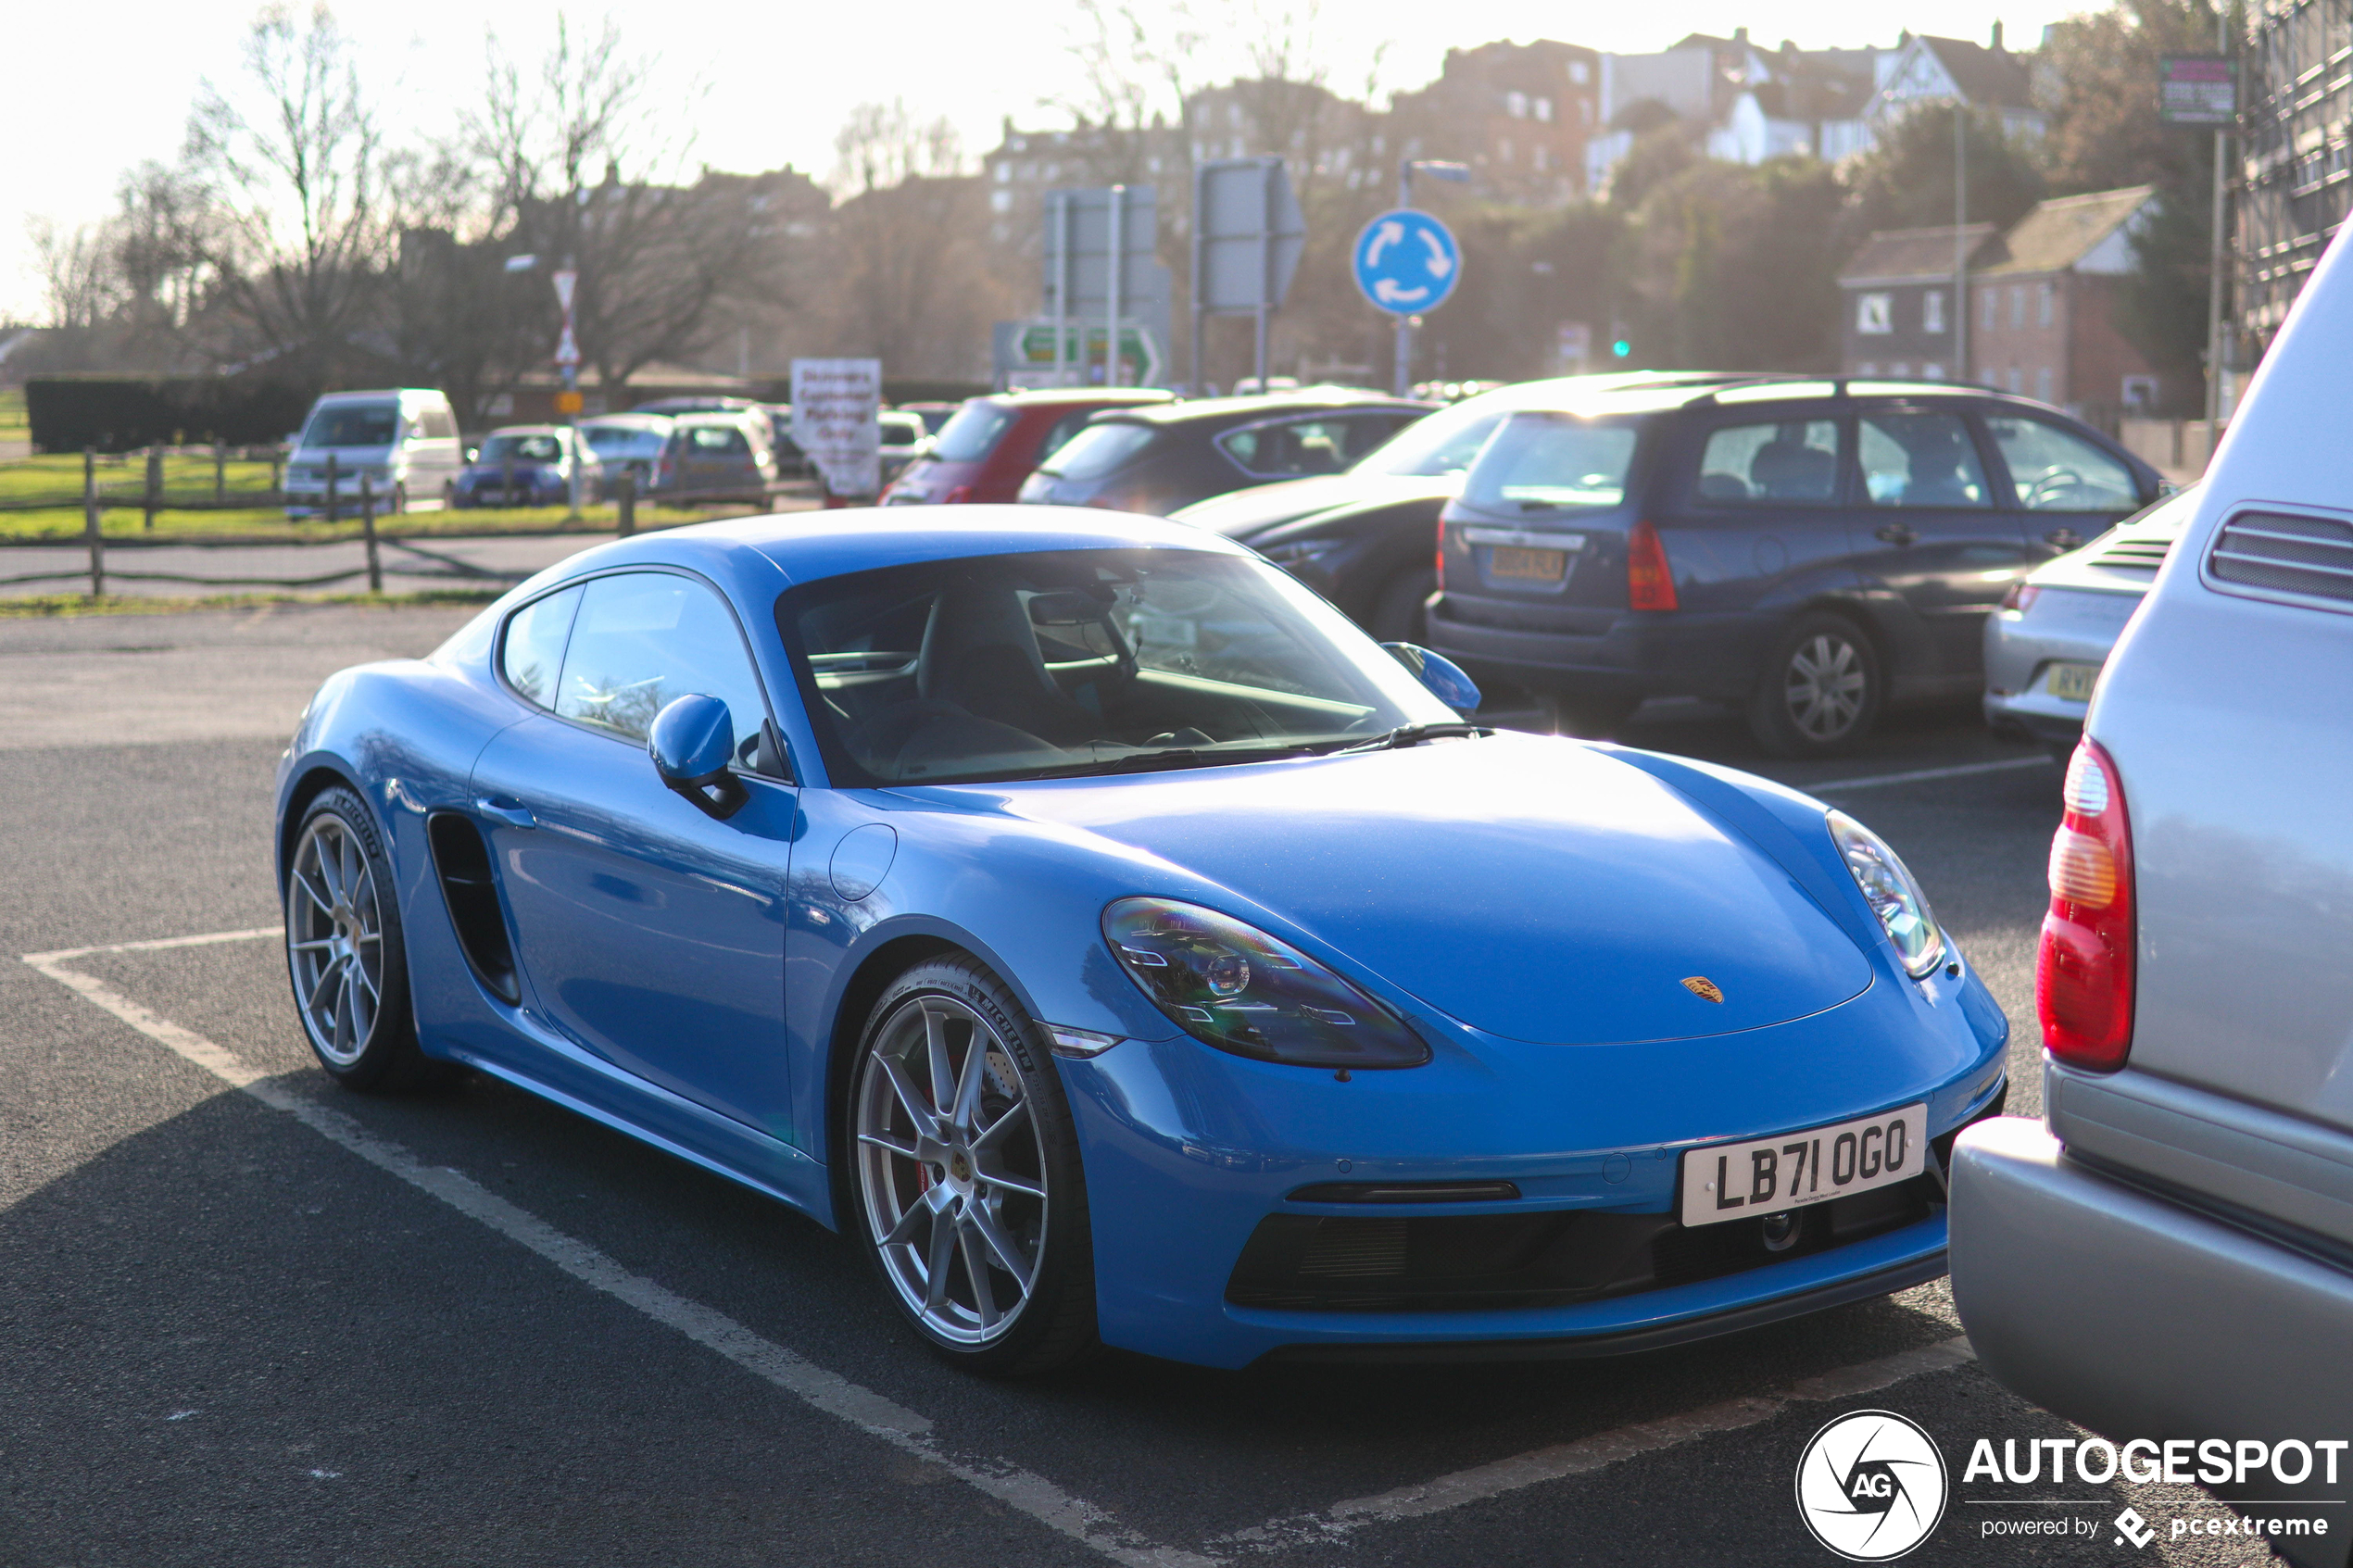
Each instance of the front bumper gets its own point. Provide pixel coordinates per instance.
(1188, 1150)
(2139, 1317)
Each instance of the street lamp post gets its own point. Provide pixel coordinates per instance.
(1454, 173)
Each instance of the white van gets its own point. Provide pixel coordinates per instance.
(404, 440)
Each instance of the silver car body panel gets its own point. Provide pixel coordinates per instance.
(2171, 1257)
(2084, 599)
(2140, 1318)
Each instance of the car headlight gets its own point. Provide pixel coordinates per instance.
(1889, 889)
(1233, 986)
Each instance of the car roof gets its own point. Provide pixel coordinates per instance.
(631, 418)
(1229, 411)
(808, 547)
(374, 393)
(1100, 396)
(1737, 390)
(528, 430)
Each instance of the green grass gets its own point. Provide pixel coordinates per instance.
(45, 606)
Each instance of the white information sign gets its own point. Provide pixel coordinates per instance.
(837, 409)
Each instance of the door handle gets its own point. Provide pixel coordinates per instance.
(2065, 538)
(506, 811)
(1895, 534)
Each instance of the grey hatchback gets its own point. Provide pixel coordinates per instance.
(2168, 1257)
(1808, 551)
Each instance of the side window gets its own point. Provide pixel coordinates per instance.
(1059, 435)
(533, 655)
(1368, 431)
(644, 639)
(439, 425)
(1789, 460)
(2053, 471)
(1920, 460)
(1299, 446)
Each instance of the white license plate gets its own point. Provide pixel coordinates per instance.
(2072, 683)
(1731, 1181)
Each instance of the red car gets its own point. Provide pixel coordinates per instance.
(991, 445)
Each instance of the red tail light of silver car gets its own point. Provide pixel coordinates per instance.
(2084, 972)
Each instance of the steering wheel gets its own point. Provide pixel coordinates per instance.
(2055, 482)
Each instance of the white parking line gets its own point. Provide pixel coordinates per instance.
(881, 1417)
(1589, 1454)
(1875, 781)
(836, 1396)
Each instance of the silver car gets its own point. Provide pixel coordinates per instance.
(2168, 1255)
(2044, 648)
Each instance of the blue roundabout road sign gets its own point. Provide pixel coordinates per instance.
(1407, 262)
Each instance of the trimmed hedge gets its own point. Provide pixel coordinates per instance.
(123, 413)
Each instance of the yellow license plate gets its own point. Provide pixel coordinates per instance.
(2072, 683)
(1528, 566)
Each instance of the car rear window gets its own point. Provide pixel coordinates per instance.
(1098, 450)
(1549, 462)
(523, 449)
(973, 432)
(708, 439)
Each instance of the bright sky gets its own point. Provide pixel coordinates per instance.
(781, 77)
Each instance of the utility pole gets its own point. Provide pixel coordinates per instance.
(2214, 257)
(1960, 240)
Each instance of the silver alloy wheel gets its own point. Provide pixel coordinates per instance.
(334, 939)
(1823, 686)
(950, 1170)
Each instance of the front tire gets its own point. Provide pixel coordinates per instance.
(964, 1174)
(1822, 690)
(344, 953)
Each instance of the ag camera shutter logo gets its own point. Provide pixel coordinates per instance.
(1871, 1485)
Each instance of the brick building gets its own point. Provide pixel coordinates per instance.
(1898, 291)
(1518, 113)
(2042, 300)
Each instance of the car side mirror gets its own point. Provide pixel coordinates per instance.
(692, 741)
(1440, 674)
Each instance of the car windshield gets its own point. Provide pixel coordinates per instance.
(974, 433)
(1098, 450)
(353, 424)
(533, 448)
(623, 440)
(1442, 443)
(1540, 462)
(1083, 663)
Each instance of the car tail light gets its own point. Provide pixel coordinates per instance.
(2021, 596)
(2084, 973)
(1650, 581)
(956, 497)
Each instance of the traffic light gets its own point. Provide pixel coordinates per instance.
(1621, 348)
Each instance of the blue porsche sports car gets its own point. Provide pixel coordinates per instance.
(1127, 951)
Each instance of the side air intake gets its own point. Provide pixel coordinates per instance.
(461, 862)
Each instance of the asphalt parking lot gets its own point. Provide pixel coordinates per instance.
(248, 1318)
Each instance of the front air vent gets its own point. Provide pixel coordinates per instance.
(461, 864)
(2304, 557)
(2134, 555)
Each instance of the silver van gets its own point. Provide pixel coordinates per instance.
(403, 440)
(2168, 1255)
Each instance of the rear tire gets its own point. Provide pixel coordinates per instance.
(961, 1162)
(344, 957)
(1822, 690)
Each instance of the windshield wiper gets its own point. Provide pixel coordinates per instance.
(1414, 734)
(1164, 757)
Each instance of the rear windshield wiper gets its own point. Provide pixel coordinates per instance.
(1414, 734)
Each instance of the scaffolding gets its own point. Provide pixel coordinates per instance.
(2296, 160)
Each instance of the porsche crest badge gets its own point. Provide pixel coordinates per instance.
(1707, 990)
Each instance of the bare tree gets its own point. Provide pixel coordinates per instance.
(911, 220)
(77, 272)
(291, 161)
(587, 170)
